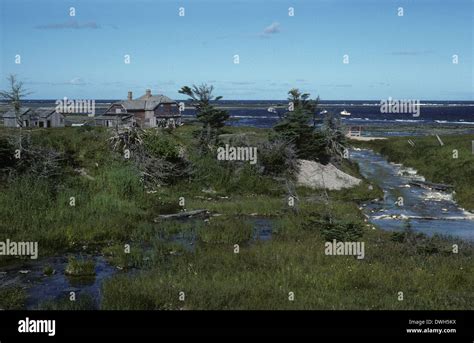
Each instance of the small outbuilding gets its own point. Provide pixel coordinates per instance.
(28, 117)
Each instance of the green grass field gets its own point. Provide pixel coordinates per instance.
(113, 208)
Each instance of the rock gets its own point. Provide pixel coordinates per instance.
(316, 175)
(183, 214)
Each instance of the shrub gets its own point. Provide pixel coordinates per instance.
(342, 231)
(277, 158)
(48, 270)
(80, 267)
(160, 144)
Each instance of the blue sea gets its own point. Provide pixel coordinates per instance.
(363, 112)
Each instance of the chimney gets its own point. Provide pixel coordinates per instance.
(148, 93)
(129, 97)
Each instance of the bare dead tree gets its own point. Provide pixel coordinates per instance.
(39, 161)
(14, 95)
(334, 136)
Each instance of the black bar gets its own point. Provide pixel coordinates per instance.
(243, 323)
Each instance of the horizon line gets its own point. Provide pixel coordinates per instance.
(121, 99)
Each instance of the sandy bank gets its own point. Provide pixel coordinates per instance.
(364, 138)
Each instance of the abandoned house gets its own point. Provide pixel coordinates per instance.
(146, 111)
(38, 117)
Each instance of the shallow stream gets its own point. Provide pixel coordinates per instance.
(428, 211)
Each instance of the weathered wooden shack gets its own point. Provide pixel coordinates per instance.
(28, 117)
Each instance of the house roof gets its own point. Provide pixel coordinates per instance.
(45, 112)
(146, 102)
(28, 112)
(11, 113)
(160, 98)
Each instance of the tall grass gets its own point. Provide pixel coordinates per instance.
(261, 276)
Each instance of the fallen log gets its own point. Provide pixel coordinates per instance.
(430, 185)
(184, 214)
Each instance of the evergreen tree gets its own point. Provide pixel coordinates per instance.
(201, 97)
(297, 126)
(212, 118)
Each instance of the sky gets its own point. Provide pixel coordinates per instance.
(389, 55)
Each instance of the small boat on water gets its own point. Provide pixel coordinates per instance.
(323, 112)
(345, 113)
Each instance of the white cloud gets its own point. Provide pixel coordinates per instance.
(271, 29)
(77, 81)
(69, 25)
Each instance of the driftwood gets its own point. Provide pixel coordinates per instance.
(40, 161)
(155, 170)
(430, 185)
(185, 214)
